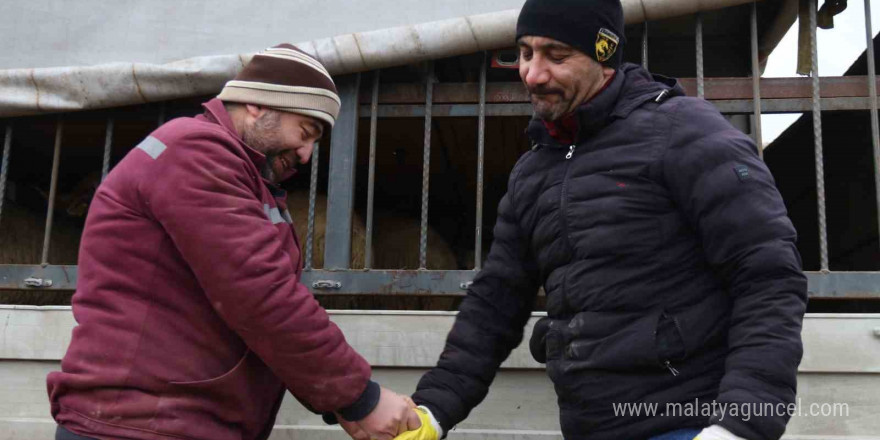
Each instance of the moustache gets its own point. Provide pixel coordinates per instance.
(542, 90)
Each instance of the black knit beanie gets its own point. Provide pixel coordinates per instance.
(595, 27)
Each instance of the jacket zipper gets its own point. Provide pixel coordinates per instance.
(562, 210)
(670, 368)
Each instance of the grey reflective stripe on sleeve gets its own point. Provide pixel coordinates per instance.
(273, 214)
(152, 146)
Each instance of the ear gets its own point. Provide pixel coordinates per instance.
(255, 111)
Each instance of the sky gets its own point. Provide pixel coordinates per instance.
(838, 48)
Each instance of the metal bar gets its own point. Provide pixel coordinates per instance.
(4, 168)
(108, 145)
(872, 93)
(448, 110)
(427, 282)
(727, 106)
(481, 143)
(817, 138)
(778, 88)
(378, 281)
(12, 276)
(714, 88)
(756, 82)
(53, 188)
(699, 37)
(371, 180)
(340, 193)
(799, 105)
(645, 46)
(426, 169)
(313, 193)
(161, 119)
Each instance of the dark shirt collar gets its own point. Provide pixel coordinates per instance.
(629, 89)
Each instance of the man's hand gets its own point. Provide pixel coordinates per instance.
(430, 429)
(393, 415)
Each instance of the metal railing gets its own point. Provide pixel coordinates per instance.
(748, 96)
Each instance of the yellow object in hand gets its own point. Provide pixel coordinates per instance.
(427, 431)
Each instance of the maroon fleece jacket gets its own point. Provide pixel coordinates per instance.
(192, 318)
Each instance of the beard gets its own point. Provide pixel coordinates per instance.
(546, 109)
(263, 136)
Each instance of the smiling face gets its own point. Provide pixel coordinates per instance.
(284, 138)
(558, 77)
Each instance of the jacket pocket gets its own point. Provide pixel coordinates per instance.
(612, 340)
(538, 340)
(670, 341)
(224, 407)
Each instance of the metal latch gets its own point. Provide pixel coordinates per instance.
(37, 282)
(465, 285)
(327, 285)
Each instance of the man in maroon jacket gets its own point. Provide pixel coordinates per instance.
(192, 318)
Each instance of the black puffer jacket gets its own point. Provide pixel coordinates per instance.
(669, 264)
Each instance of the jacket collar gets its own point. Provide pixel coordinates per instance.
(630, 87)
(215, 112)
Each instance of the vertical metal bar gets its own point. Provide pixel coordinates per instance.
(371, 178)
(756, 83)
(699, 32)
(817, 138)
(426, 168)
(481, 142)
(108, 145)
(872, 93)
(4, 169)
(53, 188)
(340, 193)
(313, 194)
(645, 46)
(161, 118)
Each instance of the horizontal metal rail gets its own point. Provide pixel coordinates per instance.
(733, 106)
(715, 89)
(424, 282)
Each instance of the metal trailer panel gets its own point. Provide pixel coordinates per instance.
(402, 345)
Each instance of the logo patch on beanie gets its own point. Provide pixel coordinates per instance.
(606, 44)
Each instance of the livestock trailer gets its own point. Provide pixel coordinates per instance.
(398, 202)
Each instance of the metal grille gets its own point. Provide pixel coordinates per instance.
(744, 96)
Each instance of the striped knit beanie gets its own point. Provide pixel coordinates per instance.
(287, 79)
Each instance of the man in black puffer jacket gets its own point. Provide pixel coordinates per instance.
(660, 239)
